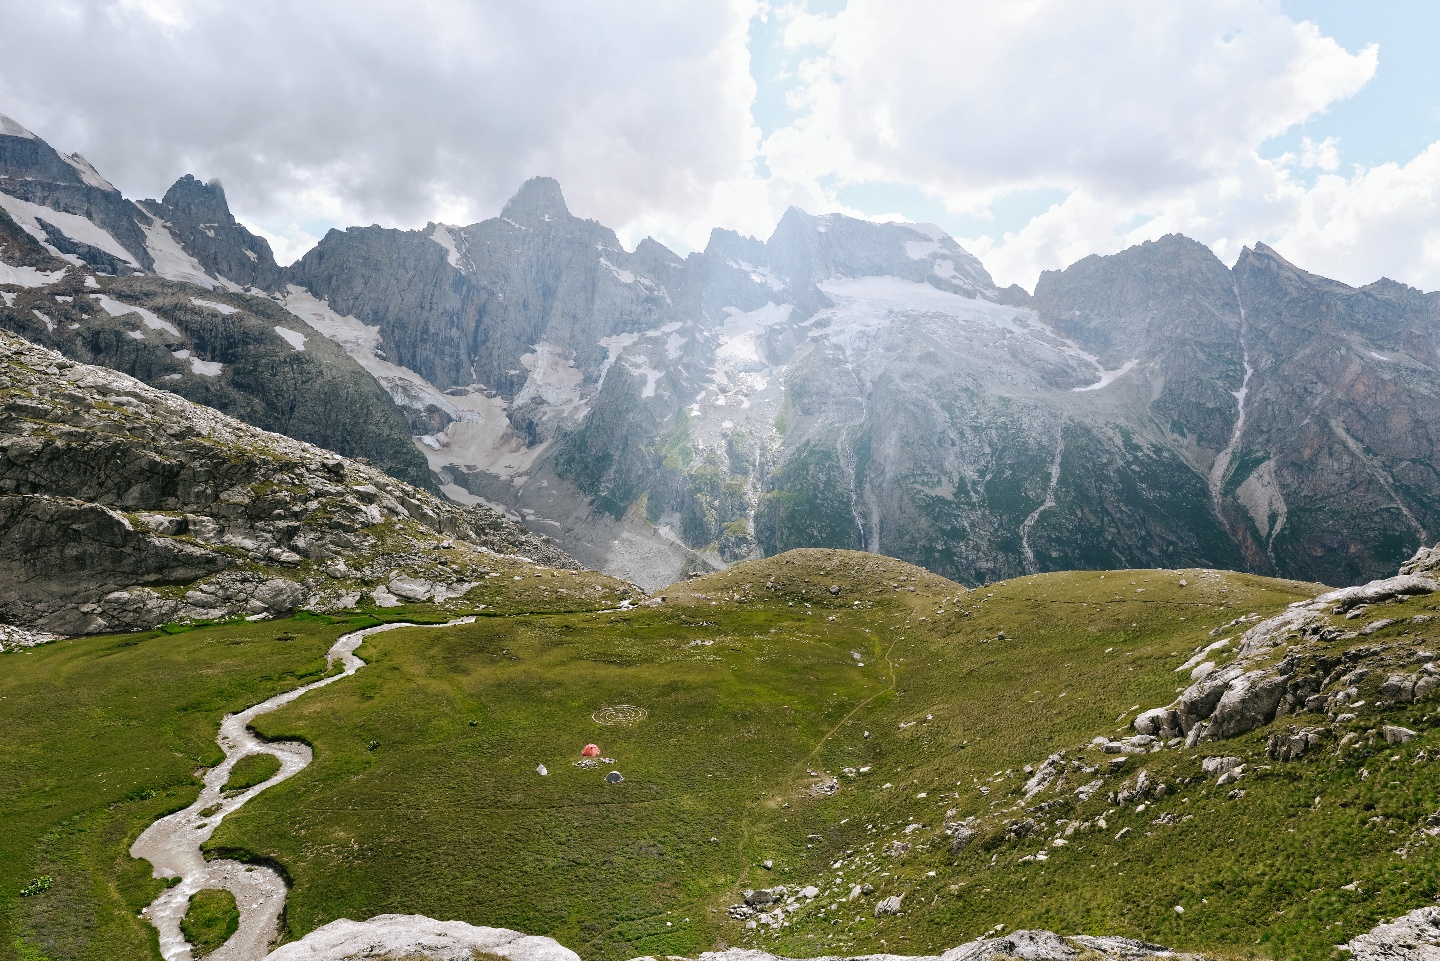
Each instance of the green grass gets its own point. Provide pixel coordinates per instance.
(101, 736)
(251, 770)
(424, 796)
(210, 920)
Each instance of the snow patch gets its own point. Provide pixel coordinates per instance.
(933, 231)
(864, 306)
(920, 249)
(78, 229)
(171, 260)
(206, 368)
(624, 276)
(444, 235)
(1107, 377)
(49, 324)
(759, 275)
(10, 128)
(553, 378)
(212, 305)
(29, 276)
(615, 346)
(117, 308)
(480, 434)
(8, 297)
(641, 367)
(87, 171)
(292, 337)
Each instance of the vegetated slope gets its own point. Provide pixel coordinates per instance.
(761, 684)
(124, 507)
(863, 725)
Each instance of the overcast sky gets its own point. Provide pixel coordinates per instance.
(1035, 131)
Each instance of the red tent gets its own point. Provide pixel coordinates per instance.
(590, 750)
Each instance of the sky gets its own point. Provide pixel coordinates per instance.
(1036, 132)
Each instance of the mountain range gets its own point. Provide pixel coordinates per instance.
(842, 384)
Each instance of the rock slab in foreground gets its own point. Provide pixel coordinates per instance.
(406, 935)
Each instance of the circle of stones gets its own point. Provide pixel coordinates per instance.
(619, 715)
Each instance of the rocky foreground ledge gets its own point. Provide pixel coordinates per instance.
(1414, 937)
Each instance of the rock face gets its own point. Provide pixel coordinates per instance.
(1298, 662)
(243, 355)
(199, 218)
(850, 384)
(413, 936)
(124, 507)
(1414, 937)
(69, 206)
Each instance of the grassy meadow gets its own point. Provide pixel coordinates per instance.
(761, 687)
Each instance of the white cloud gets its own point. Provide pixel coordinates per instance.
(1148, 116)
(1325, 154)
(1144, 117)
(360, 111)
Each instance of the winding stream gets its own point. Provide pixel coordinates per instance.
(172, 844)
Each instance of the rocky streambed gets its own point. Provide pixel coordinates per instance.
(172, 844)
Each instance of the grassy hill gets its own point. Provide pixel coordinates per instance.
(819, 719)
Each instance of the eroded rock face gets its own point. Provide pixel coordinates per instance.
(243, 355)
(122, 507)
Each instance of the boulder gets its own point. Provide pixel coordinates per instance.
(1292, 743)
(1395, 734)
(1216, 766)
(888, 906)
(1159, 722)
(1247, 702)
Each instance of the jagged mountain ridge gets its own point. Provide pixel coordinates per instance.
(853, 384)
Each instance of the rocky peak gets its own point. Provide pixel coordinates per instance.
(197, 201)
(198, 216)
(25, 156)
(9, 128)
(809, 249)
(538, 201)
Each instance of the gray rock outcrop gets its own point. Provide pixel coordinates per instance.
(1286, 664)
(1413, 937)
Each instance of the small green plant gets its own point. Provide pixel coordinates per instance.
(251, 770)
(37, 886)
(210, 920)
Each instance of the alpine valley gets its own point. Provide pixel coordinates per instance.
(843, 384)
(497, 592)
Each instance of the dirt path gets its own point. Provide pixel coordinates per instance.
(172, 844)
